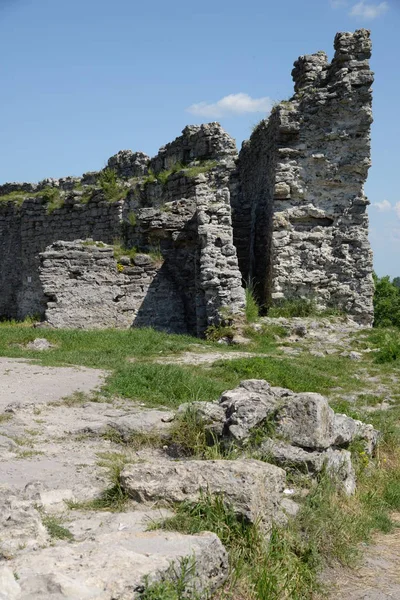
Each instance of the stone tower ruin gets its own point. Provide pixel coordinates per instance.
(288, 214)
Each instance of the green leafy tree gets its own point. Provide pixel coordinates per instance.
(396, 282)
(386, 302)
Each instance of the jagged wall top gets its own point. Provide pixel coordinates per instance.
(352, 51)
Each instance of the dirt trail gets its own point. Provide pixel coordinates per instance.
(378, 576)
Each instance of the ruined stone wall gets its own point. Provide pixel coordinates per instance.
(86, 287)
(156, 214)
(27, 230)
(319, 144)
(299, 216)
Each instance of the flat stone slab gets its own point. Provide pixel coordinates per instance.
(113, 565)
(253, 488)
(23, 382)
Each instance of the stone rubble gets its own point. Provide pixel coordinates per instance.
(301, 430)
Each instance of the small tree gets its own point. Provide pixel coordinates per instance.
(386, 302)
(396, 282)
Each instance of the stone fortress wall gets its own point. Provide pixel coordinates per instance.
(287, 214)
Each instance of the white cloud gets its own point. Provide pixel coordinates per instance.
(369, 11)
(397, 209)
(234, 104)
(384, 206)
(338, 3)
(396, 235)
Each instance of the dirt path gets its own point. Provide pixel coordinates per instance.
(23, 382)
(378, 576)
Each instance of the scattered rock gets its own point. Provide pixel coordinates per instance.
(40, 344)
(292, 458)
(247, 406)
(306, 420)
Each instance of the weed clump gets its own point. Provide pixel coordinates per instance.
(112, 190)
(252, 310)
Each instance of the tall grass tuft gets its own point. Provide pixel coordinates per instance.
(252, 310)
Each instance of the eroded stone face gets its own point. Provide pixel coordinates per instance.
(300, 219)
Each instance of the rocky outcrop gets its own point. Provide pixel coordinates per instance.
(115, 564)
(296, 431)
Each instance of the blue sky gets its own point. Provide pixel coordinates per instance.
(82, 79)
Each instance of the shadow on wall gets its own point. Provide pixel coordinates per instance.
(163, 306)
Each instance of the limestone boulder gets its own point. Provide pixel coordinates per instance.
(251, 487)
(115, 565)
(336, 462)
(246, 407)
(347, 429)
(307, 420)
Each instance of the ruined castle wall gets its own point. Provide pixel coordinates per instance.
(87, 288)
(320, 240)
(181, 219)
(26, 230)
(219, 275)
(316, 147)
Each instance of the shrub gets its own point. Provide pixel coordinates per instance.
(386, 302)
(112, 190)
(389, 349)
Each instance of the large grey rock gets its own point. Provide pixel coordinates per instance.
(251, 487)
(247, 406)
(347, 429)
(307, 420)
(114, 565)
(292, 458)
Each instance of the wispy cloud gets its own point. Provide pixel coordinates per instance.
(384, 206)
(234, 104)
(397, 209)
(369, 11)
(396, 235)
(338, 3)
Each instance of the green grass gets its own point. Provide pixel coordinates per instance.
(112, 189)
(178, 584)
(50, 195)
(171, 385)
(252, 310)
(190, 436)
(56, 529)
(301, 307)
(113, 498)
(203, 167)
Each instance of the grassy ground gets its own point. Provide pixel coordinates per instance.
(329, 526)
(170, 385)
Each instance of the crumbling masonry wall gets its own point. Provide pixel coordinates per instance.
(306, 221)
(288, 215)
